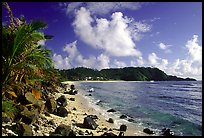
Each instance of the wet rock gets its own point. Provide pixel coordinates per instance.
(123, 116)
(93, 116)
(63, 130)
(111, 110)
(72, 99)
(110, 120)
(123, 127)
(51, 105)
(131, 120)
(108, 134)
(81, 132)
(167, 132)
(89, 123)
(51, 122)
(62, 101)
(74, 109)
(62, 111)
(148, 131)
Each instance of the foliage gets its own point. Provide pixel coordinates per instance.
(9, 108)
(127, 74)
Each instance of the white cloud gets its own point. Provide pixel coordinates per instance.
(105, 7)
(75, 59)
(158, 62)
(41, 42)
(194, 50)
(119, 64)
(113, 36)
(165, 47)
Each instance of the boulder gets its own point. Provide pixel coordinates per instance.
(62, 101)
(62, 111)
(63, 130)
(108, 134)
(131, 120)
(89, 123)
(51, 105)
(167, 132)
(32, 99)
(111, 110)
(110, 120)
(148, 131)
(23, 129)
(123, 127)
(29, 117)
(123, 116)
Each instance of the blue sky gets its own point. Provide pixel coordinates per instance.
(167, 35)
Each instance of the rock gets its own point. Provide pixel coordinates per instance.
(72, 99)
(5, 118)
(167, 132)
(110, 120)
(63, 130)
(131, 120)
(29, 117)
(81, 132)
(62, 111)
(89, 123)
(123, 116)
(24, 129)
(31, 99)
(74, 109)
(123, 127)
(62, 101)
(51, 122)
(93, 116)
(111, 110)
(89, 95)
(72, 87)
(148, 131)
(108, 134)
(51, 105)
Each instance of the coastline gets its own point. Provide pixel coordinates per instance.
(84, 106)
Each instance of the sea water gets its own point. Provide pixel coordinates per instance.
(161, 104)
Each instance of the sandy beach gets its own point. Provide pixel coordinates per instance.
(83, 108)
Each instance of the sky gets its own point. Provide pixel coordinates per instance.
(98, 35)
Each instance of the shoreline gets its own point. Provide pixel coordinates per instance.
(83, 105)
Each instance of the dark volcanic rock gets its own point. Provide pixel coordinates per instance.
(72, 99)
(51, 105)
(148, 131)
(61, 111)
(63, 130)
(89, 123)
(110, 120)
(123, 128)
(93, 116)
(123, 116)
(62, 101)
(167, 132)
(108, 134)
(111, 110)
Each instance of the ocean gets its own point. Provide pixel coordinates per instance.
(161, 104)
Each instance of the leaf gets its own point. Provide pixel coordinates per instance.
(13, 94)
(36, 94)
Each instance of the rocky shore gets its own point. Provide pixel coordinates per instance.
(64, 112)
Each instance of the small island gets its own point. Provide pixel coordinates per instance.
(126, 74)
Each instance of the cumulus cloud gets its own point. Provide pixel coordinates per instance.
(164, 47)
(105, 7)
(119, 64)
(113, 36)
(75, 59)
(158, 62)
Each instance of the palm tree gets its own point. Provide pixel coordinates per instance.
(24, 60)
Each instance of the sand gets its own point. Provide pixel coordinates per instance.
(83, 106)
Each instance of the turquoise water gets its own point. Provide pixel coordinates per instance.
(172, 104)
